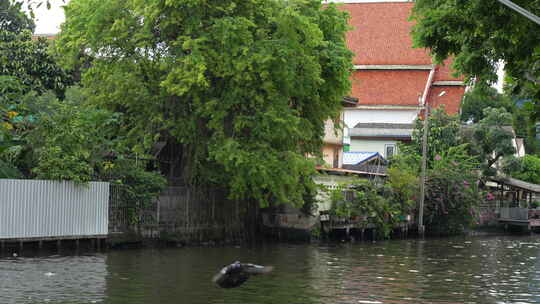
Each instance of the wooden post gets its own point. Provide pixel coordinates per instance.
(59, 246)
(98, 244)
(77, 245)
(40, 244)
(21, 246)
(2, 247)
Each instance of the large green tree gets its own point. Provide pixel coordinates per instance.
(13, 19)
(491, 139)
(26, 59)
(480, 34)
(243, 86)
(480, 97)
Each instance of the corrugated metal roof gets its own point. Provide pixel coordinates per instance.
(355, 158)
(340, 171)
(514, 182)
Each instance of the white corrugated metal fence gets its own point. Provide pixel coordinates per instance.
(52, 209)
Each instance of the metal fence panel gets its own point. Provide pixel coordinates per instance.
(43, 209)
(515, 213)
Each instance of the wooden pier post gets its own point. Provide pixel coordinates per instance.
(59, 246)
(21, 246)
(77, 245)
(2, 247)
(40, 244)
(98, 244)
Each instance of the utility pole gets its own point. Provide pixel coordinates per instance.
(424, 104)
(421, 228)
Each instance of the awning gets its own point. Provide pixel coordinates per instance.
(516, 183)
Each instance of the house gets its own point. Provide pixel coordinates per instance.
(391, 80)
(333, 137)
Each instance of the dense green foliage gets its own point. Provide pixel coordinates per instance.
(444, 133)
(452, 192)
(491, 139)
(29, 61)
(13, 19)
(452, 173)
(528, 169)
(71, 138)
(244, 86)
(368, 203)
(24, 58)
(481, 33)
(481, 97)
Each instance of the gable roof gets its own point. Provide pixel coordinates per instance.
(356, 158)
(389, 71)
(381, 34)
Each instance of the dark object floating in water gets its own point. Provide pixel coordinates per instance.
(237, 273)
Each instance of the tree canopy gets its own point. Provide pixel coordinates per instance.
(480, 34)
(244, 86)
(480, 97)
(26, 59)
(13, 19)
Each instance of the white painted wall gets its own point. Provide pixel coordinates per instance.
(370, 145)
(354, 116)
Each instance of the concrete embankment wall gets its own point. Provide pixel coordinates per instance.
(184, 215)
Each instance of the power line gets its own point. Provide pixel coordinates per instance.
(521, 10)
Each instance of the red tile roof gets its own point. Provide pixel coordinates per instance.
(451, 99)
(381, 36)
(378, 87)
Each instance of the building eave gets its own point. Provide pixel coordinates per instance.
(362, 1)
(393, 67)
(449, 83)
(385, 107)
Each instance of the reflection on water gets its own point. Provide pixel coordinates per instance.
(457, 270)
(54, 279)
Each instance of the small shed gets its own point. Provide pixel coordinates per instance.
(515, 200)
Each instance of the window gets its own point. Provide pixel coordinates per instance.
(390, 150)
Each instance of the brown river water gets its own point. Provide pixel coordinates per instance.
(502, 269)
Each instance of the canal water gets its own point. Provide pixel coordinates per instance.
(455, 270)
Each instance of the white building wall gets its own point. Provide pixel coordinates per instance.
(354, 116)
(370, 145)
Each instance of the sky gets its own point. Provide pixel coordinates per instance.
(48, 20)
